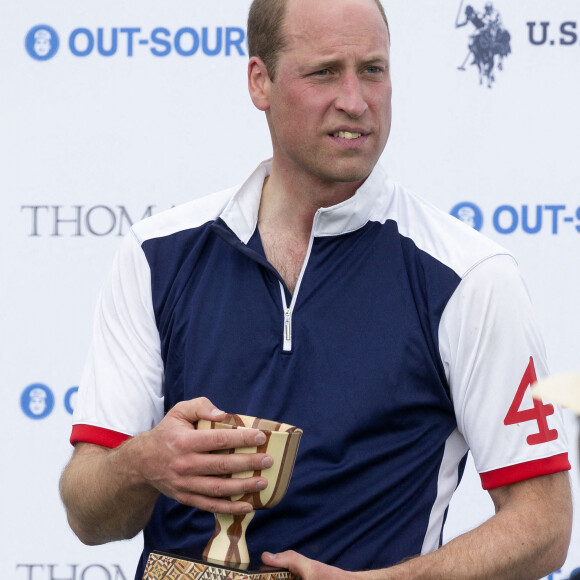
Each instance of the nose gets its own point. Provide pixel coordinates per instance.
(350, 98)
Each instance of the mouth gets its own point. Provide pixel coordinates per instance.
(347, 135)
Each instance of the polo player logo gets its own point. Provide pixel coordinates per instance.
(489, 43)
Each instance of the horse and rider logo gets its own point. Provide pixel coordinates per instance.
(489, 44)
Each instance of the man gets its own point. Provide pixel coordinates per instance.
(321, 294)
(491, 19)
(470, 16)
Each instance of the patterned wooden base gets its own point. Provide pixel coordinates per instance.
(162, 566)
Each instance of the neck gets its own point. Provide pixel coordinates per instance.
(287, 207)
(290, 200)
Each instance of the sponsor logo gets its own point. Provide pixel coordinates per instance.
(468, 213)
(80, 220)
(42, 42)
(70, 572)
(530, 219)
(542, 33)
(37, 401)
(489, 42)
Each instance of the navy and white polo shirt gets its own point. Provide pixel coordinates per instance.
(409, 340)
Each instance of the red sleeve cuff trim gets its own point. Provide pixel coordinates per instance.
(97, 435)
(522, 471)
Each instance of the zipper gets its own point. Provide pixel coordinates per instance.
(288, 310)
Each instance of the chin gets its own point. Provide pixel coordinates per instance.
(348, 174)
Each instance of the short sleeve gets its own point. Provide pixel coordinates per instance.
(492, 352)
(121, 390)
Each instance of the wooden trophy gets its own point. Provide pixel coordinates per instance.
(226, 554)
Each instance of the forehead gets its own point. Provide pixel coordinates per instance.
(323, 27)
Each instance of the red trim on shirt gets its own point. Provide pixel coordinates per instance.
(97, 435)
(522, 471)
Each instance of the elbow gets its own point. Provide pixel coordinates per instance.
(86, 536)
(87, 540)
(550, 555)
(555, 560)
(560, 547)
(96, 537)
(557, 551)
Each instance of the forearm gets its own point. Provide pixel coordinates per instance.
(527, 539)
(491, 552)
(517, 543)
(104, 496)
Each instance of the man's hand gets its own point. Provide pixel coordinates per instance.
(109, 494)
(176, 459)
(305, 568)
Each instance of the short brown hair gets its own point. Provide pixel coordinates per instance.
(265, 35)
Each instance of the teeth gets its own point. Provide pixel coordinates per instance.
(347, 135)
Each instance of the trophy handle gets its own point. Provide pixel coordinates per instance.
(229, 538)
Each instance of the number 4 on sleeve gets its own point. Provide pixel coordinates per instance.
(539, 412)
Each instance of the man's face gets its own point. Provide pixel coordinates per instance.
(330, 104)
(37, 405)
(42, 45)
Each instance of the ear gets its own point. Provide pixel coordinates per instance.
(259, 83)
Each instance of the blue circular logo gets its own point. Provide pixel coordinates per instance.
(468, 213)
(70, 399)
(37, 401)
(42, 42)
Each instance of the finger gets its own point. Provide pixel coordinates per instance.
(297, 564)
(193, 410)
(216, 505)
(182, 438)
(304, 568)
(219, 439)
(221, 487)
(227, 463)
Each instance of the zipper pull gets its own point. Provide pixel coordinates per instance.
(287, 325)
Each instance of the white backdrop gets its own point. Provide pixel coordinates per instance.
(90, 143)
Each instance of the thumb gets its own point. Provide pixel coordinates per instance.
(195, 409)
(299, 565)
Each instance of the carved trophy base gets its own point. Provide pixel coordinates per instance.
(166, 566)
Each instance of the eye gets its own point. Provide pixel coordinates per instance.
(321, 73)
(373, 69)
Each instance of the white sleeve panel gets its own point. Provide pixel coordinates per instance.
(487, 336)
(122, 385)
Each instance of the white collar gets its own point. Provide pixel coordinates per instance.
(241, 213)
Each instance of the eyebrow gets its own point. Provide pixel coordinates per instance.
(331, 62)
